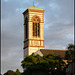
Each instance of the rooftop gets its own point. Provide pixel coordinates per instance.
(56, 52)
(35, 8)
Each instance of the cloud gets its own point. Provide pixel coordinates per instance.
(58, 28)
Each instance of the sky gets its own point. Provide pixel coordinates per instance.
(58, 28)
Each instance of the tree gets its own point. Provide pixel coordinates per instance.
(37, 65)
(70, 52)
(10, 72)
(18, 72)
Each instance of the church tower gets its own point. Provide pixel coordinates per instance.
(33, 30)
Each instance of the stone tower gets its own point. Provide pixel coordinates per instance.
(33, 30)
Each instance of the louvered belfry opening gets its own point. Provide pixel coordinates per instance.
(36, 27)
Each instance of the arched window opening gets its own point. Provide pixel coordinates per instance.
(36, 27)
(26, 27)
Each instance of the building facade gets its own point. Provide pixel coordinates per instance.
(33, 30)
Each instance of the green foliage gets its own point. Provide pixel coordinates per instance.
(18, 72)
(10, 72)
(35, 64)
(70, 52)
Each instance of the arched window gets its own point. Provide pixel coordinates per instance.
(36, 27)
(26, 27)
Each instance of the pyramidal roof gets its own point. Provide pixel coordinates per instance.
(35, 8)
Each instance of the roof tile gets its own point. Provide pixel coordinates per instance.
(56, 52)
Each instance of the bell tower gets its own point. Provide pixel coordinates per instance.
(33, 30)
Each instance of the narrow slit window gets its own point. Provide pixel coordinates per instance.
(26, 27)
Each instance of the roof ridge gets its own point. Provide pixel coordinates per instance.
(53, 49)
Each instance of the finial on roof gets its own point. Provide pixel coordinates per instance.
(33, 2)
